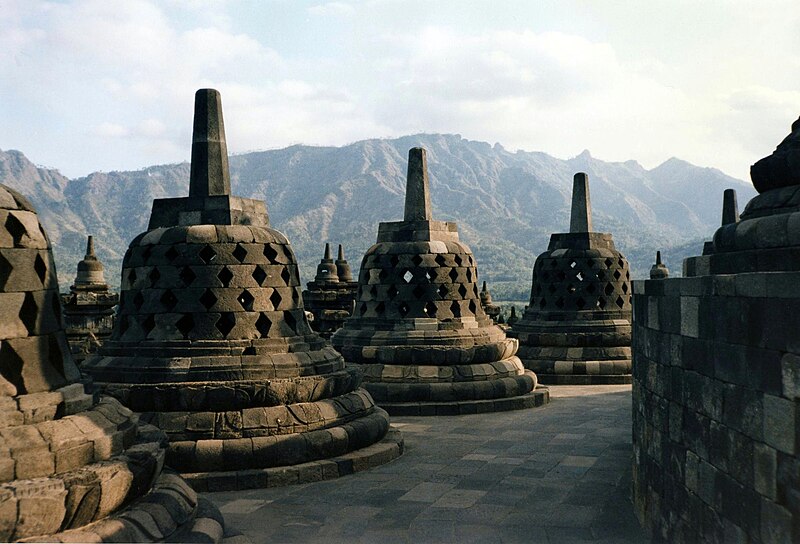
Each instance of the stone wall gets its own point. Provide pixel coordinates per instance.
(716, 389)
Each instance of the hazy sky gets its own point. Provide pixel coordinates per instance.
(101, 85)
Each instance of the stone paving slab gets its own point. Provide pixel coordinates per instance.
(560, 473)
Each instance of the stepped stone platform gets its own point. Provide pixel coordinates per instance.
(577, 327)
(89, 307)
(212, 344)
(419, 331)
(74, 467)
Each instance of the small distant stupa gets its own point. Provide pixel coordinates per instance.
(331, 296)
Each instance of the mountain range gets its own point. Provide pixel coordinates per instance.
(505, 203)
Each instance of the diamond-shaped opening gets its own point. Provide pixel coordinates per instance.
(470, 260)
(392, 292)
(561, 275)
(609, 289)
(382, 275)
(28, 313)
(560, 302)
(590, 288)
(296, 295)
(472, 306)
(286, 276)
(290, 320)
(462, 290)
(408, 276)
(428, 276)
(40, 267)
(187, 275)
(573, 264)
(132, 276)
(620, 302)
(455, 308)
(457, 259)
(440, 260)
(590, 263)
(208, 299)
(225, 323)
(625, 288)
(601, 275)
(148, 324)
(403, 309)
(138, 300)
(601, 302)
(363, 309)
(240, 253)
(380, 308)
(246, 300)
(168, 300)
(579, 276)
(171, 254)
(417, 260)
(276, 299)
(225, 276)
(207, 254)
(15, 228)
(571, 289)
(442, 290)
(55, 305)
(146, 252)
(617, 275)
(453, 274)
(185, 325)
(418, 292)
(270, 253)
(373, 291)
(627, 275)
(430, 309)
(393, 260)
(475, 290)
(259, 274)
(621, 263)
(154, 276)
(608, 262)
(469, 275)
(263, 324)
(580, 303)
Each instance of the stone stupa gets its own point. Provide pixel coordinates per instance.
(89, 307)
(73, 467)
(659, 270)
(212, 344)
(577, 326)
(419, 331)
(492, 310)
(330, 297)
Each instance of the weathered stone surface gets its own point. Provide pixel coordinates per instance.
(419, 330)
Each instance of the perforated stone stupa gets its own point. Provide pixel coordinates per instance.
(426, 345)
(73, 467)
(332, 294)
(212, 344)
(577, 326)
(89, 307)
(492, 310)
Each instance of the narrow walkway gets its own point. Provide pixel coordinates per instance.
(555, 474)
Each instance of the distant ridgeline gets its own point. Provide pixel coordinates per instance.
(507, 204)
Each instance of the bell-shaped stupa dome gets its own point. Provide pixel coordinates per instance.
(73, 467)
(212, 342)
(419, 331)
(577, 326)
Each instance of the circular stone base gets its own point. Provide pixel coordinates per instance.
(584, 379)
(538, 397)
(387, 449)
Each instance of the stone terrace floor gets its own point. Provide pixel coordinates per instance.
(560, 473)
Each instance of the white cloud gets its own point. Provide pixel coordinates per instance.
(331, 9)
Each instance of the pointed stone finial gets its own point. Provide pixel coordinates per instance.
(326, 269)
(581, 217)
(730, 207)
(210, 175)
(418, 197)
(343, 269)
(484, 289)
(658, 271)
(327, 256)
(90, 248)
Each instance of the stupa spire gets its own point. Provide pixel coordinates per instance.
(210, 175)
(327, 255)
(730, 207)
(90, 248)
(340, 256)
(418, 196)
(581, 217)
